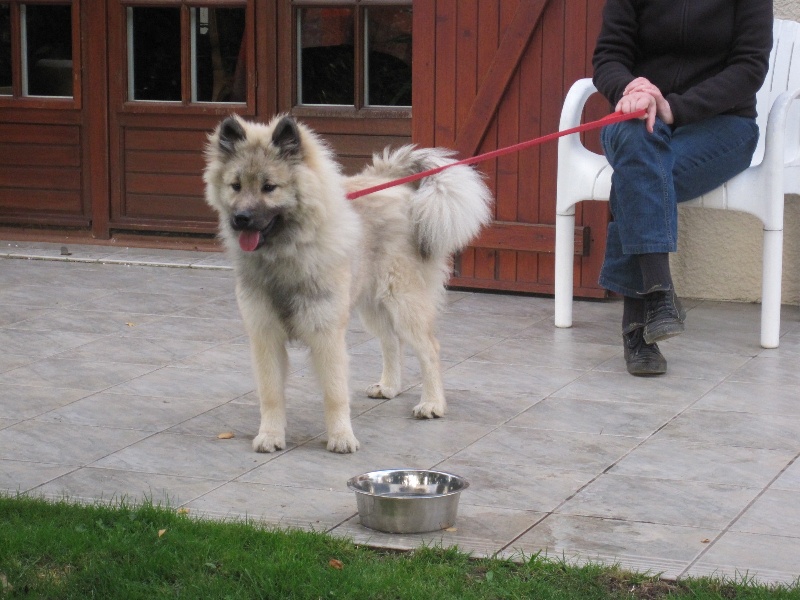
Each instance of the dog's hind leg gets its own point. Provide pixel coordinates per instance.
(418, 330)
(380, 324)
(432, 404)
(329, 356)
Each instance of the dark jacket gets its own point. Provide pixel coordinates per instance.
(708, 57)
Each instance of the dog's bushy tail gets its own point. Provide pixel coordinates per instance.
(449, 208)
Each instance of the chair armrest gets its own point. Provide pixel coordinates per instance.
(576, 98)
(578, 167)
(775, 178)
(775, 138)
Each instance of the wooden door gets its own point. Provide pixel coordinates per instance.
(52, 105)
(177, 68)
(159, 121)
(492, 73)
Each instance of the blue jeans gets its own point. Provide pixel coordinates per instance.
(652, 173)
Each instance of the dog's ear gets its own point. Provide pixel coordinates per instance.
(286, 137)
(230, 132)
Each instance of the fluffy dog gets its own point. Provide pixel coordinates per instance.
(305, 255)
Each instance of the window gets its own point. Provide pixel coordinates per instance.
(217, 57)
(354, 53)
(44, 53)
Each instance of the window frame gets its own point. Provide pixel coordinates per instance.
(359, 109)
(16, 99)
(186, 105)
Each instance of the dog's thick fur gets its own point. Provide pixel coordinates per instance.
(304, 255)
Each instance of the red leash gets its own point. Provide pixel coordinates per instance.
(608, 120)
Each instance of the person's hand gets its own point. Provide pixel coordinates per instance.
(636, 101)
(643, 85)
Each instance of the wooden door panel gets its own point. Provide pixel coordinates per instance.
(21, 205)
(155, 211)
(156, 148)
(41, 169)
(164, 184)
(500, 73)
(157, 173)
(49, 177)
(35, 155)
(41, 132)
(43, 151)
(141, 161)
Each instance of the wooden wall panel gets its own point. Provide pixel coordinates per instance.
(533, 89)
(468, 72)
(489, 36)
(503, 263)
(446, 69)
(423, 91)
(554, 34)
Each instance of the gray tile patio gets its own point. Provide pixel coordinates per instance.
(119, 367)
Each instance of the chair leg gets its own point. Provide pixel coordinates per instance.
(565, 259)
(771, 288)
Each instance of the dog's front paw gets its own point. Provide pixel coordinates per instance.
(343, 443)
(376, 390)
(429, 410)
(269, 442)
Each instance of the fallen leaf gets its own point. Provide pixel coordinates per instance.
(161, 532)
(183, 511)
(226, 435)
(451, 529)
(130, 324)
(336, 564)
(705, 541)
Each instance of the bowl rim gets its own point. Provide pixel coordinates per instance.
(351, 483)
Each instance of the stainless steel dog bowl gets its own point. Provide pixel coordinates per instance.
(407, 500)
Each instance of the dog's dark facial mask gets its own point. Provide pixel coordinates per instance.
(256, 222)
(255, 226)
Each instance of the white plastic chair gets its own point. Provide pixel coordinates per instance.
(775, 171)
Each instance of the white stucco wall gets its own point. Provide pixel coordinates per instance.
(719, 252)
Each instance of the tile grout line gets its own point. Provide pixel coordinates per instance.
(609, 467)
(734, 520)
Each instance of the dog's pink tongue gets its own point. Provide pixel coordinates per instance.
(248, 240)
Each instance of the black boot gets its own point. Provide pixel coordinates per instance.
(664, 315)
(642, 358)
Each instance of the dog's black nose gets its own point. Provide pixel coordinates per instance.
(241, 220)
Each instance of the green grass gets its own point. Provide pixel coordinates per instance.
(64, 550)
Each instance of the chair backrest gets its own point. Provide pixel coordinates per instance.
(784, 75)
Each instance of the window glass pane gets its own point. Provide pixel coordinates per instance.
(5, 50)
(326, 71)
(154, 53)
(388, 63)
(218, 55)
(47, 50)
